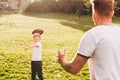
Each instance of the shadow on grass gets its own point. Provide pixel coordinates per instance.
(8, 13)
(83, 23)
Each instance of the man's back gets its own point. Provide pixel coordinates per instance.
(105, 59)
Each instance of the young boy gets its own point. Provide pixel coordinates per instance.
(36, 62)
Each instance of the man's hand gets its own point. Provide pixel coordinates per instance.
(73, 66)
(62, 57)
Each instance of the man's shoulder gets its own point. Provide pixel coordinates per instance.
(102, 28)
(96, 28)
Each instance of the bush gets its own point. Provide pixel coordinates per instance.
(117, 10)
(61, 6)
(48, 6)
(37, 7)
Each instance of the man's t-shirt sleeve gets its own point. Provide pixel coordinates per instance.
(87, 45)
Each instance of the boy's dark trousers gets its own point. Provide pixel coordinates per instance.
(36, 67)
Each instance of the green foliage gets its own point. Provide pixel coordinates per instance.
(117, 10)
(42, 6)
(63, 6)
(79, 7)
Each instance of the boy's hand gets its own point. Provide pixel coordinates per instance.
(26, 48)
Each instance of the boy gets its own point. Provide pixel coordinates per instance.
(36, 62)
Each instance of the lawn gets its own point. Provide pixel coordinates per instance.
(60, 31)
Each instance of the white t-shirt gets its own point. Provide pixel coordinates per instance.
(102, 45)
(37, 52)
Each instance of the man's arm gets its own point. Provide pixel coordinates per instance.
(75, 65)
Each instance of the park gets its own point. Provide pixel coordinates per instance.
(61, 30)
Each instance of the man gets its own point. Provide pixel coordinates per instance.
(99, 46)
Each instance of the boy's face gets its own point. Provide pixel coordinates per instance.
(36, 38)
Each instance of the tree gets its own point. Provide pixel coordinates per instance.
(117, 9)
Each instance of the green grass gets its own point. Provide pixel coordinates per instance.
(61, 31)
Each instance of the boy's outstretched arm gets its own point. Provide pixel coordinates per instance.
(31, 46)
(75, 65)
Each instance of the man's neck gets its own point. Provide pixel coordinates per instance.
(104, 21)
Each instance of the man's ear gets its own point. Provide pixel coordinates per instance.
(95, 13)
(113, 13)
(114, 8)
(96, 17)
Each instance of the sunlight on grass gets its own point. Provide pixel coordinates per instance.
(61, 31)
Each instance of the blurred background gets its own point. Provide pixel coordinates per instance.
(64, 23)
(79, 7)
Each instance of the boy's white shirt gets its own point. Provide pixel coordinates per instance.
(102, 44)
(37, 52)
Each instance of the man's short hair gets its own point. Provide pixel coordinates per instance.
(103, 7)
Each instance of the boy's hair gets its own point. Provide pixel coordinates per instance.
(104, 7)
(40, 31)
